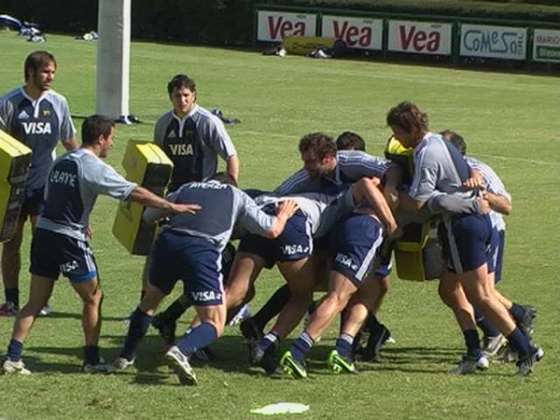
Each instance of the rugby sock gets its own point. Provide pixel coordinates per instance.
(12, 295)
(485, 325)
(198, 338)
(520, 343)
(272, 307)
(517, 312)
(176, 309)
(91, 355)
(473, 343)
(301, 346)
(372, 323)
(344, 345)
(268, 340)
(139, 323)
(15, 349)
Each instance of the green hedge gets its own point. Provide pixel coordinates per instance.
(230, 22)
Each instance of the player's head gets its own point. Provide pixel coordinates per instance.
(97, 132)
(408, 122)
(456, 140)
(224, 178)
(39, 69)
(350, 141)
(182, 93)
(318, 152)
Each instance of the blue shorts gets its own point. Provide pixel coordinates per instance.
(497, 245)
(54, 253)
(295, 243)
(178, 256)
(33, 203)
(354, 242)
(472, 236)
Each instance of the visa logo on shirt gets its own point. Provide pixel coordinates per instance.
(181, 149)
(37, 127)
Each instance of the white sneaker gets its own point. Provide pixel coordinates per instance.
(99, 367)
(469, 364)
(493, 345)
(122, 363)
(179, 363)
(243, 314)
(9, 367)
(47, 309)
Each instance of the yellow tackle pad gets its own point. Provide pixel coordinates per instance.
(15, 159)
(148, 166)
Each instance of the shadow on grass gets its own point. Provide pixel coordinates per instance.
(78, 316)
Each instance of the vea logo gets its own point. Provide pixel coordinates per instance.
(493, 42)
(420, 37)
(181, 149)
(37, 127)
(294, 249)
(205, 296)
(355, 32)
(275, 26)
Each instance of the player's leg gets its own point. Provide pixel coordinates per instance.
(11, 266)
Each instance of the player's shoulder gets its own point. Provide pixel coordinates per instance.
(205, 116)
(55, 98)
(12, 96)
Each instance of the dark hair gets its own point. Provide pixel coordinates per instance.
(407, 116)
(181, 81)
(319, 144)
(95, 126)
(456, 140)
(35, 61)
(224, 178)
(350, 141)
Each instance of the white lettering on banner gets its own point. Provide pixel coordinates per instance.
(275, 26)
(419, 37)
(37, 127)
(546, 45)
(355, 32)
(493, 42)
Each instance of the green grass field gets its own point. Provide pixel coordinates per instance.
(509, 120)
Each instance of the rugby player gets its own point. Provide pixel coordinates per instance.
(189, 249)
(440, 168)
(59, 244)
(39, 117)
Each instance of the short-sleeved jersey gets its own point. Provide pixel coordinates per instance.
(39, 124)
(494, 185)
(193, 143)
(438, 167)
(351, 165)
(321, 210)
(222, 207)
(73, 184)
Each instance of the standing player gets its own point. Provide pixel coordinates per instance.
(189, 249)
(60, 240)
(38, 117)
(439, 168)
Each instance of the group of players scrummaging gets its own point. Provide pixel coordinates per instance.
(323, 227)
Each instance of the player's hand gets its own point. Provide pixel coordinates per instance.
(475, 182)
(286, 208)
(89, 232)
(483, 206)
(185, 208)
(393, 230)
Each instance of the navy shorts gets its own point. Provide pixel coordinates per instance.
(497, 245)
(295, 242)
(473, 237)
(354, 242)
(54, 253)
(33, 203)
(178, 256)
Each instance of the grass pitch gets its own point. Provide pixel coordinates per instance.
(510, 121)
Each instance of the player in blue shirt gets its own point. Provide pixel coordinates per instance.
(60, 244)
(39, 117)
